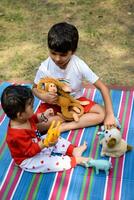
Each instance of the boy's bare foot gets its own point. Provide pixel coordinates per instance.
(78, 151)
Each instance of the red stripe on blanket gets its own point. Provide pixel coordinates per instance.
(120, 163)
(121, 159)
(8, 178)
(69, 172)
(111, 174)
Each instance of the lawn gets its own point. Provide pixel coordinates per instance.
(106, 29)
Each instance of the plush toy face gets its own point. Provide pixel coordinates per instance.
(52, 87)
(112, 137)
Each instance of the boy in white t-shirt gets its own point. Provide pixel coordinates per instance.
(64, 64)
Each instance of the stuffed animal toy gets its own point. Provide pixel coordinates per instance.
(112, 143)
(99, 165)
(71, 108)
(52, 134)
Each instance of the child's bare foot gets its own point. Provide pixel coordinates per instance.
(82, 160)
(78, 151)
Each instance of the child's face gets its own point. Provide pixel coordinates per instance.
(60, 59)
(28, 110)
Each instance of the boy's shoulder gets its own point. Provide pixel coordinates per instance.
(79, 62)
(77, 58)
(45, 62)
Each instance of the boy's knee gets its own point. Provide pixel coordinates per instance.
(57, 118)
(102, 113)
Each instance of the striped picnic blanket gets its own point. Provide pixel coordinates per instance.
(79, 183)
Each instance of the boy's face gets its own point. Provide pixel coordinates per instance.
(60, 59)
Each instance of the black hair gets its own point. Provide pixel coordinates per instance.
(63, 37)
(15, 98)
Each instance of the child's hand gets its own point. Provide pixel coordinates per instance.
(49, 112)
(52, 134)
(109, 121)
(43, 117)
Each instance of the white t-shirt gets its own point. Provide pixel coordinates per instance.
(76, 71)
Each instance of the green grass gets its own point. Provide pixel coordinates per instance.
(105, 28)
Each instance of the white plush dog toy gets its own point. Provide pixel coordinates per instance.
(112, 143)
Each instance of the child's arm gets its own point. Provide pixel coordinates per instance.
(109, 120)
(47, 97)
(45, 115)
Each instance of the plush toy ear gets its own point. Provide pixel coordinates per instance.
(41, 86)
(111, 143)
(66, 85)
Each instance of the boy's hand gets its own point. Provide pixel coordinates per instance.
(52, 134)
(51, 98)
(109, 121)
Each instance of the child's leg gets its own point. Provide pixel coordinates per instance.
(62, 146)
(93, 117)
(65, 147)
(45, 162)
(42, 163)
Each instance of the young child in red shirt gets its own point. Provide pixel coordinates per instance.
(25, 143)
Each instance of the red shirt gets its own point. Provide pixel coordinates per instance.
(23, 142)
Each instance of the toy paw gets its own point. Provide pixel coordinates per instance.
(75, 116)
(41, 86)
(84, 103)
(77, 110)
(52, 134)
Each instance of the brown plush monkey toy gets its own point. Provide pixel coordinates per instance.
(71, 108)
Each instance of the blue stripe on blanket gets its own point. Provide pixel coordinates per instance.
(80, 183)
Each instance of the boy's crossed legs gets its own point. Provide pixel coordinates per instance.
(94, 116)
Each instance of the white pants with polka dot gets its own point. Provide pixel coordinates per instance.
(45, 161)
